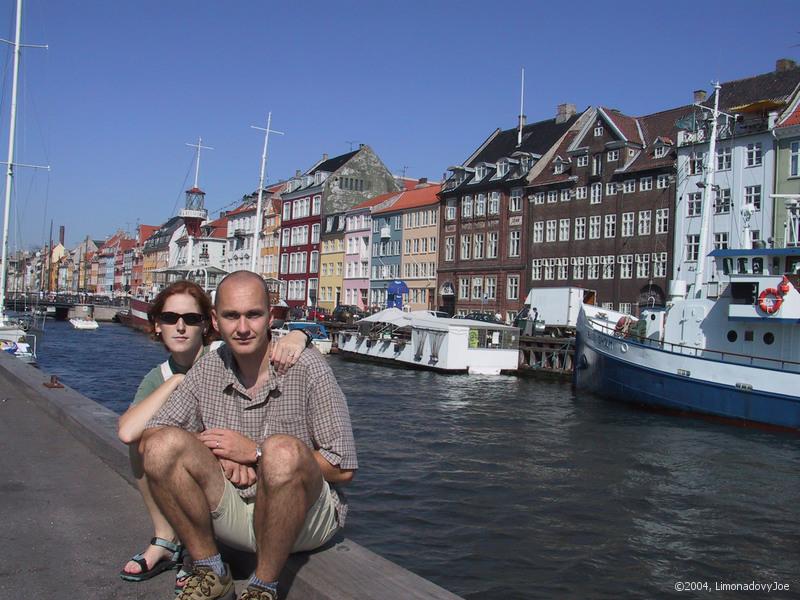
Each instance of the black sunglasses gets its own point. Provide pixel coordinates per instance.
(170, 318)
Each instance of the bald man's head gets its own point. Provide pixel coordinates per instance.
(238, 278)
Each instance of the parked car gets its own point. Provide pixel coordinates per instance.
(318, 314)
(485, 317)
(346, 313)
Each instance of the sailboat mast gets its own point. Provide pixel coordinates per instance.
(257, 231)
(708, 189)
(10, 169)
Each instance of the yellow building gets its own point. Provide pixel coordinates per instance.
(331, 261)
(420, 213)
(270, 239)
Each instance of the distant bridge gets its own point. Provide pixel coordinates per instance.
(62, 307)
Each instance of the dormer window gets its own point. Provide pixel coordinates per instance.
(660, 151)
(612, 155)
(480, 172)
(502, 168)
(583, 160)
(558, 168)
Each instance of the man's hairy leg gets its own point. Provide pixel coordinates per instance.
(289, 482)
(187, 484)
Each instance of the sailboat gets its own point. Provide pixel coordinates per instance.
(729, 349)
(13, 337)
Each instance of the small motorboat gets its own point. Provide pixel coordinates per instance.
(319, 334)
(84, 323)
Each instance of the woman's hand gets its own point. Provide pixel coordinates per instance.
(286, 350)
(225, 443)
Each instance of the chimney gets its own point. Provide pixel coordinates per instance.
(522, 121)
(422, 183)
(324, 156)
(360, 146)
(784, 64)
(699, 96)
(297, 173)
(61, 235)
(564, 112)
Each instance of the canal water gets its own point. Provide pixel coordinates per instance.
(502, 487)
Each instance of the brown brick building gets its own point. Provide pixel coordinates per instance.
(483, 233)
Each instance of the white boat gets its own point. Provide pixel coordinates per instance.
(14, 338)
(320, 337)
(730, 349)
(419, 339)
(84, 323)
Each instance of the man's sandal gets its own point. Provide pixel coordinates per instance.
(165, 564)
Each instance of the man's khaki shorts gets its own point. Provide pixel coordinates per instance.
(233, 521)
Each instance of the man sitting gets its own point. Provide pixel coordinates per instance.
(250, 457)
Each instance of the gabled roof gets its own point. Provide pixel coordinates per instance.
(247, 206)
(547, 176)
(333, 164)
(145, 231)
(658, 127)
(625, 125)
(374, 201)
(423, 196)
(537, 138)
(217, 228)
(775, 87)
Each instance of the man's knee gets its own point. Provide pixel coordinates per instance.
(284, 459)
(162, 448)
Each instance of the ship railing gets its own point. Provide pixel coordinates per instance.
(706, 353)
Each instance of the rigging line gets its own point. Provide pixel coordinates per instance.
(182, 190)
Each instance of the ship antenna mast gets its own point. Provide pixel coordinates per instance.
(521, 108)
(257, 231)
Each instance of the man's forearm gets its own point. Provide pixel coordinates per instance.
(332, 473)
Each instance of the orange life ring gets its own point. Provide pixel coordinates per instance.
(784, 286)
(770, 307)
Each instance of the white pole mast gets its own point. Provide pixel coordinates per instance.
(199, 146)
(521, 107)
(708, 189)
(257, 229)
(10, 169)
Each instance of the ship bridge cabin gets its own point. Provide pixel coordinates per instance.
(763, 282)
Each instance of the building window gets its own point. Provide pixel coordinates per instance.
(724, 159)
(610, 229)
(480, 173)
(753, 155)
(662, 220)
(597, 164)
(491, 250)
(608, 267)
(284, 263)
(314, 266)
(694, 204)
(463, 288)
(466, 246)
(563, 230)
(563, 268)
(552, 197)
(594, 227)
(538, 232)
(551, 230)
(644, 222)
(578, 268)
(629, 186)
(662, 182)
(627, 224)
(611, 189)
(597, 193)
(287, 211)
(536, 269)
(626, 266)
(660, 264)
(696, 163)
(722, 201)
(450, 210)
(466, 206)
(642, 266)
(317, 205)
(580, 193)
(752, 195)
(580, 228)
(480, 205)
(478, 249)
(564, 195)
(598, 130)
(558, 167)
(494, 202)
(512, 287)
(514, 242)
(583, 160)
(315, 233)
(477, 288)
(721, 241)
(645, 184)
(514, 201)
(692, 247)
(285, 237)
(490, 288)
(538, 198)
(660, 151)
(593, 268)
(449, 248)
(794, 159)
(612, 155)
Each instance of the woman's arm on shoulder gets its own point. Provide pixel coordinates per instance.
(132, 423)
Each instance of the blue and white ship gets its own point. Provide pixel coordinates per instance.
(730, 349)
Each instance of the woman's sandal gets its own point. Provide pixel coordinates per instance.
(165, 564)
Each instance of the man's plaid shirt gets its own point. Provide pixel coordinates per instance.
(306, 403)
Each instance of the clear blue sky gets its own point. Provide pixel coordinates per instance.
(125, 84)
